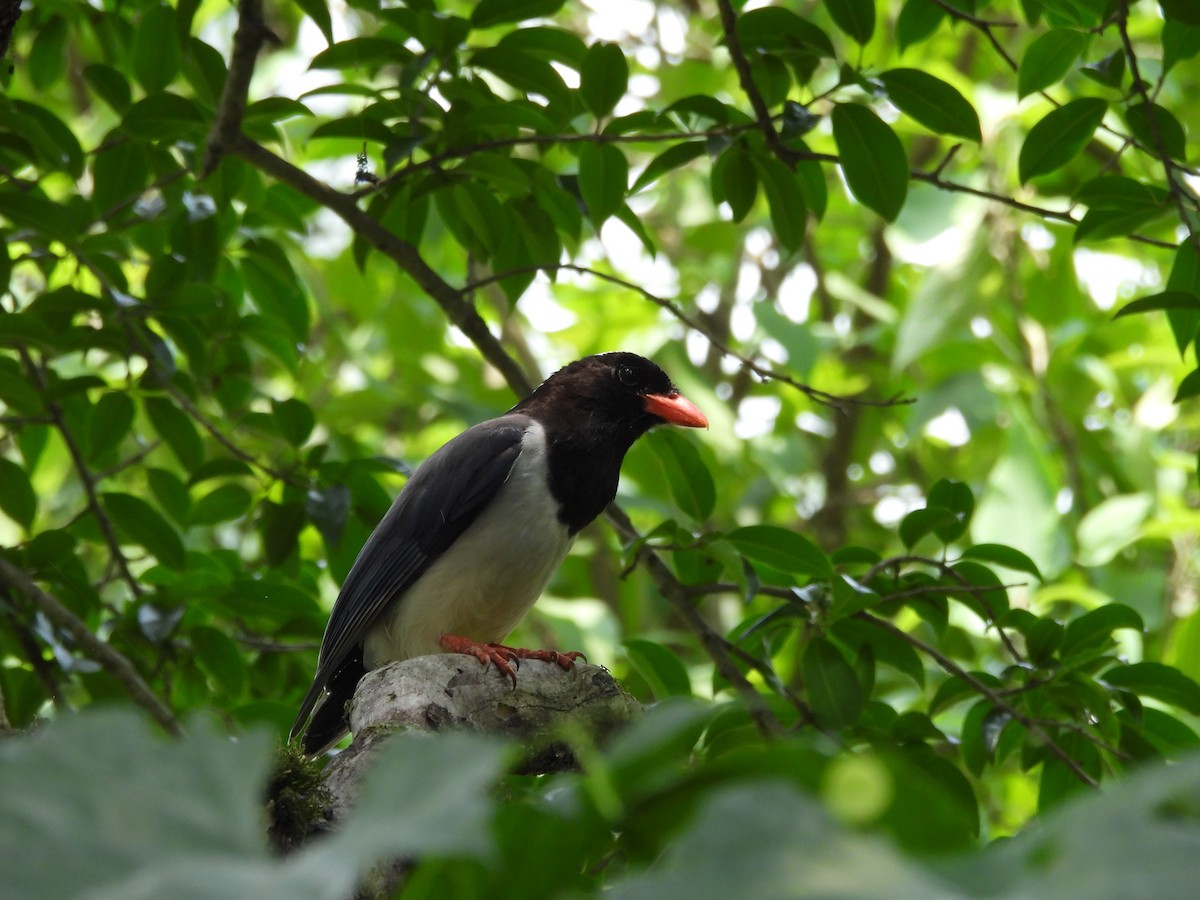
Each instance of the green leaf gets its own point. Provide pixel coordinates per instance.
(785, 197)
(603, 78)
(1152, 123)
(109, 423)
(872, 159)
(1002, 555)
(222, 504)
(295, 419)
(603, 176)
(142, 524)
(780, 30)
(318, 11)
(281, 524)
(780, 549)
(220, 659)
(956, 497)
(164, 117)
(17, 498)
(39, 215)
(990, 603)
(524, 71)
(932, 102)
(110, 85)
(176, 428)
(855, 17)
(1180, 42)
(1189, 387)
(1060, 136)
(1184, 300)
(1109, 71)
(921, 522)
(357, 128)
(15, 389)
(832, 687)
(667, 161)
(47, 62)
(1184, 11)
(496, 12)
(1048, 59)
(1092, 629)
(688, 477)
(171, 493)
(661, 668)
(917, 21)
(156, 50)
(361, 53)
(1152, 679)
(1115, 192)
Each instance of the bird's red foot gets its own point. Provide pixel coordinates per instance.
(503, 658)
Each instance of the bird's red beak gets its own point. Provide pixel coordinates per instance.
(676, 409)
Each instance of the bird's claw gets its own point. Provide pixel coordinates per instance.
(505, 658)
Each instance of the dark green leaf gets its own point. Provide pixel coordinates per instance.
(789, 212)
(1060, 136)
(688, 477)
(780, 549)
(496, 12)
(956, 497)
(142, 524)
(781, 30)
(110, 85)
(1184, 300)
(1185, 276)
(735, 181)
(921, 522)
(17, 498)
(1048, 59)
(281, 524)
(176, 428)
(670, 159)
(833, 690)
(164, 117)
(329, 508)
(222, 504)
(661, 668)
(872, 159)
(171, 493)
(109, 423)
(295, 419)
(918, 20)
(1180, 42)
(1189, 387)
(156, 50)
(932, 102)
(1092, 629)
(603, 176)
(1156, 126)
(524, 71)
(318, 11)
(357, 128)
(603, 78)
(39, 215)
(361, 52)
(855, 17)
(988, 598)
(1109, 71)
(1162, 682)
(47, 60)
(220, 659)
(1184, 11)
(1002, 555)
(1115, 192)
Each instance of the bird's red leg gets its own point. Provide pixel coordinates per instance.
(503, 657)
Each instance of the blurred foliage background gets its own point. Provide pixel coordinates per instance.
(935, 561)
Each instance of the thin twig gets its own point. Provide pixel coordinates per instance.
(767, 374)
(951, 667)
(106, 655)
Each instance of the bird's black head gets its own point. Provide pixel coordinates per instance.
(592, 411)
(618, 395)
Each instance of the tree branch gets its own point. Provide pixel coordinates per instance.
(226, 129)
(106, 655)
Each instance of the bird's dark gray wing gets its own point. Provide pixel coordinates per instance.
(441, 500)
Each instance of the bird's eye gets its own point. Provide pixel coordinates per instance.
(627, 376)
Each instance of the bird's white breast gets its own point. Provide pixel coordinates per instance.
(483, 585)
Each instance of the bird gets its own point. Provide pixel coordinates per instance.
(481, 526)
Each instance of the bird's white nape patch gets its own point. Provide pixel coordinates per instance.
(484, 584)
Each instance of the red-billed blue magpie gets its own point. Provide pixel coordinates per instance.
(482, 525)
